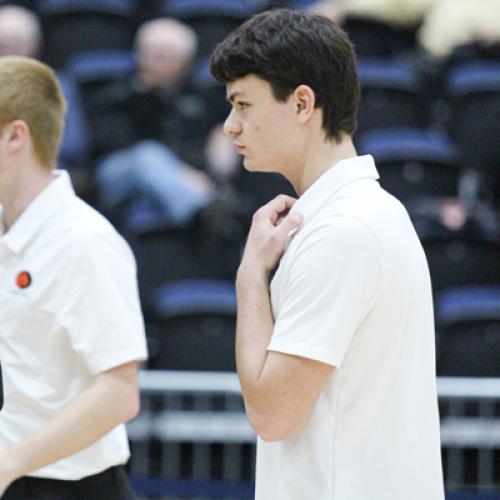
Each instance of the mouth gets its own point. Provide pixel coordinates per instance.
(239, 149)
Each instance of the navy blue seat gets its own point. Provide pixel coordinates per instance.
(301, 4)
(101, 65)
(413, 162)
(468, 324)
(374, 38)
(124, 8)
(212, 20)
(473, 89)
(74, 26)
(194, 326)
(240, 9)
(392, 95)
(74, 150)
(195, 297)
(463, 257)
(94, 70)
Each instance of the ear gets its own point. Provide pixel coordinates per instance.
(304, 100)
(17, 135)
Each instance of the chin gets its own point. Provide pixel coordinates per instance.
(252, 166)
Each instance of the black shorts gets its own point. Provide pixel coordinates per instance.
(112, 484)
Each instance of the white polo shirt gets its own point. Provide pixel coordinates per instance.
(69, 309)
(353, 291)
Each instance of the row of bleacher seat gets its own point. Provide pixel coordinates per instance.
(394, 98)
(192, 325)
(72, 26)
(433, 135)
(398, 91)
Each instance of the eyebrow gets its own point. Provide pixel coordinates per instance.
(231, 97)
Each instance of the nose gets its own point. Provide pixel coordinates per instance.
(232, 125)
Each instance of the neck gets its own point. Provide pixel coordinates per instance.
(320, 157)
(18, 190)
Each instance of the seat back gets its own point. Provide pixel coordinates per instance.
(74, 26)
(412, 162)
(473, 90)
(75, 143)
(468, 324)
(392, 95)
(195, 326)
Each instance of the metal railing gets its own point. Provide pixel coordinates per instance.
(192, 428)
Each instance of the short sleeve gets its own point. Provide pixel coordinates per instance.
(331, 282)
(101, 309)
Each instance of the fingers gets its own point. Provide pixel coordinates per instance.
(281, 203)
(275, 209)
(290, 223)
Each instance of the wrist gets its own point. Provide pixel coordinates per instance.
(9, 470)
(251, 275)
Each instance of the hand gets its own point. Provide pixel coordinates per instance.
(269, 233)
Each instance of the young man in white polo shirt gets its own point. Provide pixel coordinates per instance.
(336, 356)
(71, 329)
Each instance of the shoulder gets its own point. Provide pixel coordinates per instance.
(335, 233)
(87, 234)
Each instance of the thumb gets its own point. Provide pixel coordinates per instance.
(290, 223)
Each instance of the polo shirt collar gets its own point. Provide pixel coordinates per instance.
(334, 179)
(49, 200)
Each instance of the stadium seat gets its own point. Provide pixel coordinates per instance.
(74, 26)
(473, 90)
(392, 95)
(468, 324)
(92, 70)
(378, 39)
(195, 326)
(412, 162)
(212, 21)
(225, 8)
(74, 149)
(463, 257)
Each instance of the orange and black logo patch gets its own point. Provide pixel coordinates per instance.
(23, 279)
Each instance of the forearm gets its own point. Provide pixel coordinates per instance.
(254, 329)
(89, 417)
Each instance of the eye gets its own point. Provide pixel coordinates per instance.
(242, 105)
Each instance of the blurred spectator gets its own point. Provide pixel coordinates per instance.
(20, 32)
(165, 49)
(452, 23)
(159, 102)
(154, 128)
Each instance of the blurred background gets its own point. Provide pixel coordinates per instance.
(144, 145)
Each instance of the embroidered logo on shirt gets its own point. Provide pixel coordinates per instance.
(23, 279)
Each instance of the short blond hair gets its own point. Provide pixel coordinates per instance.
(29, 91)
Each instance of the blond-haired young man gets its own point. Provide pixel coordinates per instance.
(71, 330)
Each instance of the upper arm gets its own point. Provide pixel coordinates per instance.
(293, 385)
(100, 308)
(332, 281)
(126, 374)
(122, 383)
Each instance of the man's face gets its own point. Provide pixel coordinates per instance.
(161, 64)
(261, 127)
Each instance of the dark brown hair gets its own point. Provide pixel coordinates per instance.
(288, 48)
